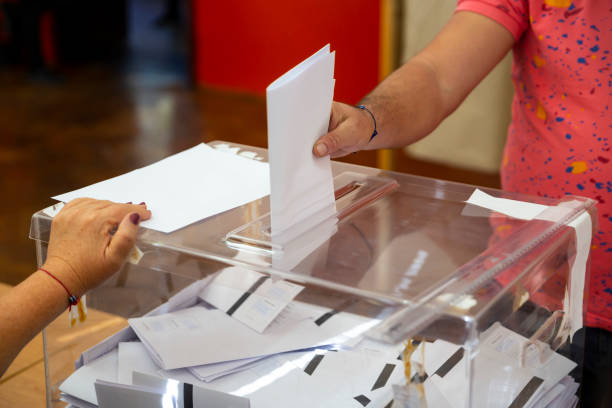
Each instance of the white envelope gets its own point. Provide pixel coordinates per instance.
(197, 336)
(133, 356)
(80, 384)
(298, 111)
(189, 395)
(232, 290)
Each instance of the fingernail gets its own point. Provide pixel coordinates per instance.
(143, 203)
(129, 202)
(321, 149)
(135, 218)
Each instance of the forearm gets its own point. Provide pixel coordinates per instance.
(407, 105)
(414, 99)
(81, 254)
(26, 310)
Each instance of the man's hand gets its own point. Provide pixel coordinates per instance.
(90, 240)
(414, 99)
(350, 129)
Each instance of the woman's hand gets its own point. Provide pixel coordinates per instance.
(90, 240)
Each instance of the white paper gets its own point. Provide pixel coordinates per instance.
(567, 398)
(497, 373)
(298, 111)
(201, 397)
(507, 344)
(280, 380)
(582, 225)
(75, 402)
(496, 384)
(197, 336)
(186, 187)
(210, 372)
(362, 368)
(584, 230)
(115, 395)
(80, 384)
(227, 286)
(133, 356)
(513, 208)
(260, 307)
(53, 210)
(268, 301)
(186, 297)
(304, 245)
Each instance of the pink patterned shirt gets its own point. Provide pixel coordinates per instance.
(559, 139)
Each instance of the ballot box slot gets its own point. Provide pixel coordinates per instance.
(352, 192)
(347, 189)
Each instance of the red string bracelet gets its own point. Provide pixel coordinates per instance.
(72, 300)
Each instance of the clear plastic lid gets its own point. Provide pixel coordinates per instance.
(406, 241)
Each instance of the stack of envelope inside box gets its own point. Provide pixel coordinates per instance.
(306, 356)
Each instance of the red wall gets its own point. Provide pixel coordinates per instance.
(245, 44)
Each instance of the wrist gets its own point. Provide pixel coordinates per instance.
(66, 274)
(368, 123)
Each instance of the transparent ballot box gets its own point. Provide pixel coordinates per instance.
(409, 297)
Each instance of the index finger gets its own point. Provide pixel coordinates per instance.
(121, 210)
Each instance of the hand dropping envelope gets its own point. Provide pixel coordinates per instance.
(250, 297)
(298, 110)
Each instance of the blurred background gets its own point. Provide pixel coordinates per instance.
(92, 89)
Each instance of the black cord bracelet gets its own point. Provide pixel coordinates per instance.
(375, 132)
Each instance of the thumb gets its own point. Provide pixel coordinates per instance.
(123, 241)
(333, 143)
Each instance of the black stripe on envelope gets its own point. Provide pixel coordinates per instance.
(313, 364)
(246, 295)
(324, 317)
(526, 393)
(362, 399)
(383, 377)
(450, 363)
(187, 395)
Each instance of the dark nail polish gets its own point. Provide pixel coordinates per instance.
(135, 218)
(129, 202)
(143, 203)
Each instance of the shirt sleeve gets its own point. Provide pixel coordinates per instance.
(511, 14)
